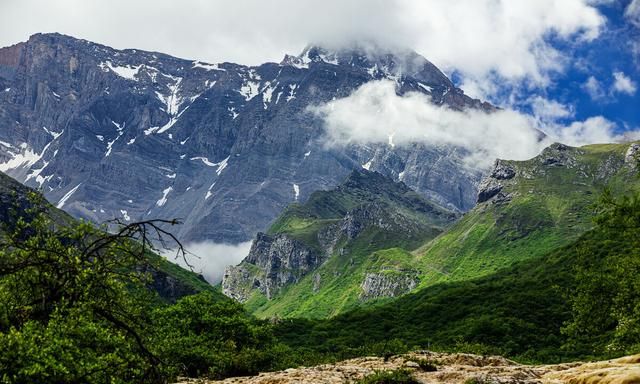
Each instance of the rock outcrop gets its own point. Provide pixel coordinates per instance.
(632, 156)
(454, 369)
(388, 283)
(279, 260)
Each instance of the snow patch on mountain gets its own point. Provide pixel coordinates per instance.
(296, 191)
(66, 197)
(163, 200)
(128, 72)
(207, 66)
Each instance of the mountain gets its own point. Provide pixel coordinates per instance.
(501, 280)
(319, 258)
(525, 210)
(132, 134)
(169, 280)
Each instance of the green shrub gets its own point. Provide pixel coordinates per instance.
(398, 376)
(203, 336)
(427, 365)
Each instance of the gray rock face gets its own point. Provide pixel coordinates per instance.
(133, 134)
(238, 283)
(281, 260)
(631, 157)
(491, 187)
(502, 171)
(389, 283)
(556, 155)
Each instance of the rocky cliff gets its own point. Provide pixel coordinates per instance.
(126, 133)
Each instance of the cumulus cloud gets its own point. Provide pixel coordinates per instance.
(374, 113)
(594, 89)
(474, 37)
(623, 84)
(210, 259)
(549, 110)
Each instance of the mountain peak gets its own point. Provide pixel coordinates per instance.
(372, 57)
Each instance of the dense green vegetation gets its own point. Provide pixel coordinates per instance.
(606, 299)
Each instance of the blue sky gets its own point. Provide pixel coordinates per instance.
(600, 78)
(611, 53)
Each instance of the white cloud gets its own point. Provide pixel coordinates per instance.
(593, 87)
(632, 12)
(623, 84)
(549, 110)
(474, 37)
(374, 113)
(211, 259)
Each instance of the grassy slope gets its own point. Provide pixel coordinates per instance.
(342, 274)
(549, 209)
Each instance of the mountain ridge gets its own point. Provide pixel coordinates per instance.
(149, 134)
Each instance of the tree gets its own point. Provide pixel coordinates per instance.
(203, 336)
(74, 303)
(606, 300)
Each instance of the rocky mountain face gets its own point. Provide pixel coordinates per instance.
(131, 134)
(325, 246)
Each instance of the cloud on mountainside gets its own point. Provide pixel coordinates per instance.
(210, 259)
(374, 113)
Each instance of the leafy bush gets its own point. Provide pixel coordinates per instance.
(606, 300)
(398, 376)
(202, 336)
(75, 306)
(73, 302)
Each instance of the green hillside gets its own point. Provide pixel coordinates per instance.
(545, 205)
(518, 312)
(526, 210)
(528, 273)
(357, 231)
